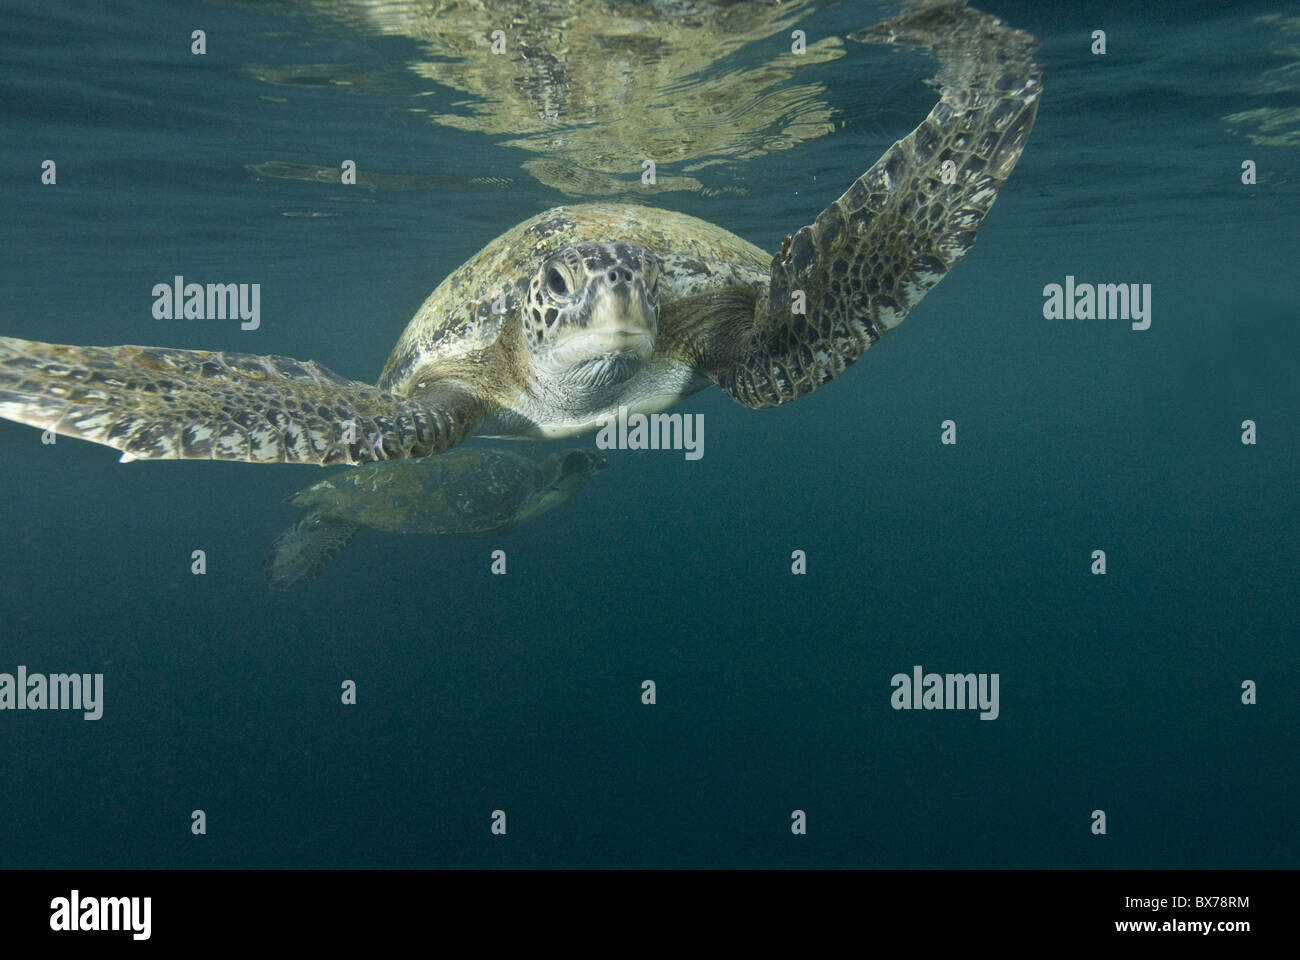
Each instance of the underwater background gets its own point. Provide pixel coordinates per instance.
(523, 693)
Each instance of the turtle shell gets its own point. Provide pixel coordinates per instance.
(467, 314)
(464, 491)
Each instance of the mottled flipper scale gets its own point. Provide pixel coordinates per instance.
(874, 253)
(299, 555)
(158, 404)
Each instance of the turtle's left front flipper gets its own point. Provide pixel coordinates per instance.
(875, 252)
(158, 404)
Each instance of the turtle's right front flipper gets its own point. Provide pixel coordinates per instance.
(841, 283)
(158, 404)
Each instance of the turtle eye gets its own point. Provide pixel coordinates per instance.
(555, 280)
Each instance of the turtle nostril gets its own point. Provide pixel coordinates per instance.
(612, 276)
(627, 275)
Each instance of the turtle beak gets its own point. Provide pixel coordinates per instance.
(621, 316)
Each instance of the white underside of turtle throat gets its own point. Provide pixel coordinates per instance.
(662, 384)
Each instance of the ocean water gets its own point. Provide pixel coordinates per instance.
(522, 693)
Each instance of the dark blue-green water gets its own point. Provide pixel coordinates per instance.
(522, 693)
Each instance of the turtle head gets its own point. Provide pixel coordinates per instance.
(567, 473)
(592, 313)
(580, 462)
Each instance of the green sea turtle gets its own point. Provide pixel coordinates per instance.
(470, 491)
(581, 310)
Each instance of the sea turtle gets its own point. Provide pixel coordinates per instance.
(470, 490)
(582, 310)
